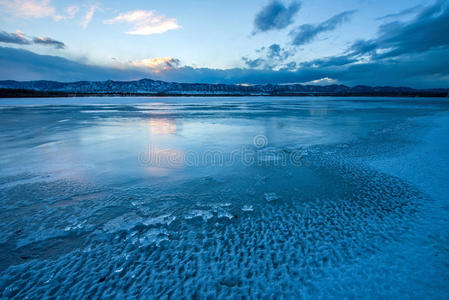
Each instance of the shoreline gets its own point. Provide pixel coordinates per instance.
(35, 94)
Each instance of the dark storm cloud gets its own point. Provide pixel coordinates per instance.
(14, 38)
(425, 70)
(275, 16)
(46, 41)
(306, 33)
(426, 32)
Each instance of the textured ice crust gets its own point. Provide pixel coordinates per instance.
(331, 227)
(287, 246)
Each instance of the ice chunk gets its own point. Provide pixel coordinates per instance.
(206, 215)
(124, 222)
(75, 226)
(271, 197)
(163, 220)
(247, 208)
(225, 214)
(153, 236)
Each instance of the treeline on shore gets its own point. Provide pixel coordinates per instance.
(22, 93)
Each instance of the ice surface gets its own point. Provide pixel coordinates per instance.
(346, 198)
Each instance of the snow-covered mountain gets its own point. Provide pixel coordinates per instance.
(148, 86)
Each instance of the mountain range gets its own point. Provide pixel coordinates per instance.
(148, 87)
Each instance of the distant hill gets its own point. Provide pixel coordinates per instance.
(148, 87)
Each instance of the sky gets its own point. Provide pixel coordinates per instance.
(351, 42)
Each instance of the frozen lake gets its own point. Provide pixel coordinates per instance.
(224, 197)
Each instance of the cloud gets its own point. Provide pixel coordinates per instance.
(157, 64)
(20, 38)
(20, 64)
(413, 53)
(275, 16)
(87, 18)
(407, 11)
(14, 38)
(271, 57)
(72, 11)
(360, 47)
(145, 22)
(333, 61)
(28, 8)
(428, 31)
(323, 81)
(291, 65)
(275, 51)
(46, 41)
(424, 70)
(36, 9)
(254, 63)
(306, 33)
